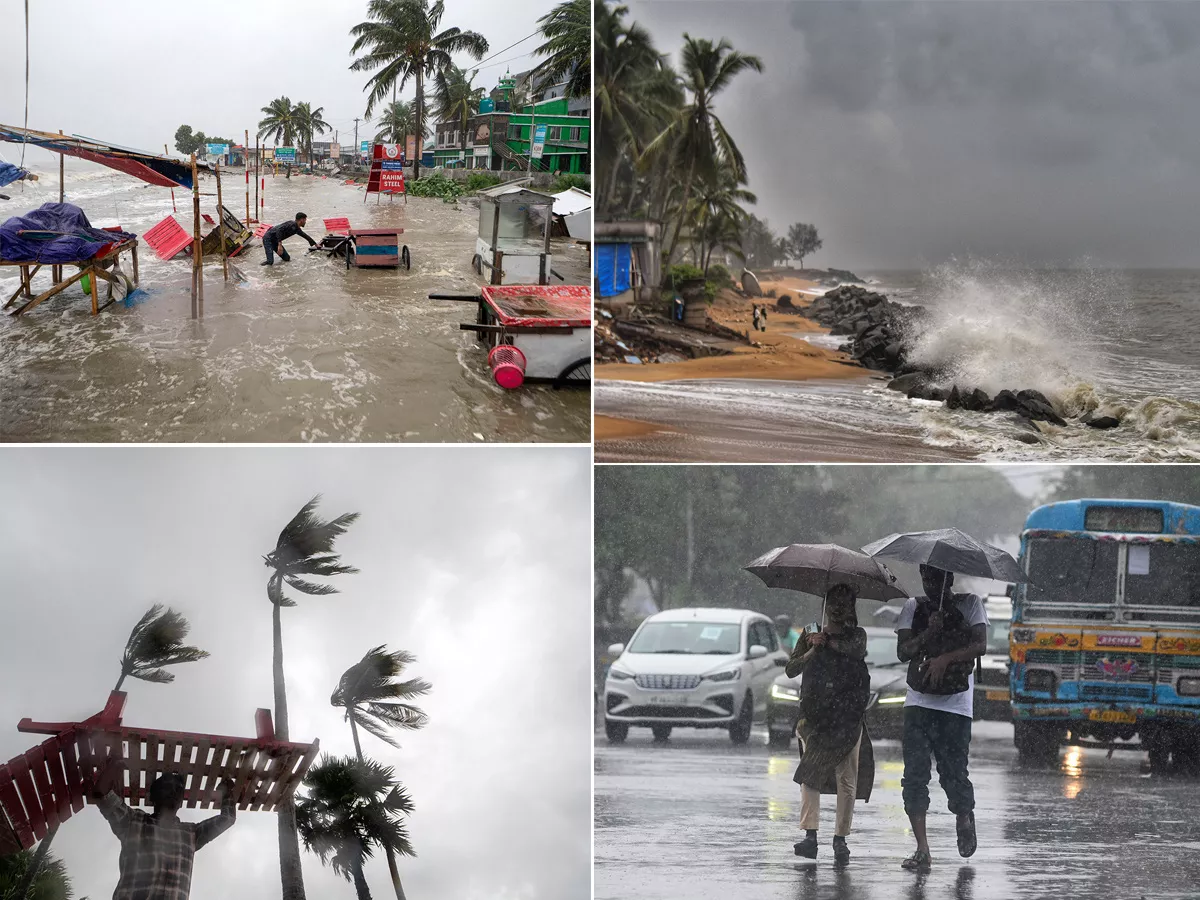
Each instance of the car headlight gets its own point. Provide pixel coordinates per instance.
(890, 699)
(728, 675)
(1188, 687)
(617, 675)
(783, 692)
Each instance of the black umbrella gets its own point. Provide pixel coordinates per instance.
(950, 550)
(815, 568)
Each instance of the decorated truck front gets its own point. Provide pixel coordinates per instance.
(1105, 640)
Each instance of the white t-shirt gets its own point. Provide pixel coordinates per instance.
(963, 704)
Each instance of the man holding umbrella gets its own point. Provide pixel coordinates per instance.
(940, 635)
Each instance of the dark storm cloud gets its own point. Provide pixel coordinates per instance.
(478, 561)
(912, 132)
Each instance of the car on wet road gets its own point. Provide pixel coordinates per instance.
(992, 698)
(693, 668)
(885, 708)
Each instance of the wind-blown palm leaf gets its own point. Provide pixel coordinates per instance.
(305, 546)
(456, 97)
(397, 123)
(568, 32)
(50, 883)
(366, 687)
(279, 121)
(157, 641)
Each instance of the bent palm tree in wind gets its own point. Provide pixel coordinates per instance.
(350, 807)
(309, 121)
(304, 550)
(373, 699)
(568, 32)
(156, 641)
(456, 97)
(396, 123)
(696, 140)
(278, 122)
(402, 42)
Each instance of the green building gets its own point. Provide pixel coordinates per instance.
(498, 139)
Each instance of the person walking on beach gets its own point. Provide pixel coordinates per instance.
(939, 635)
(834, 692)
(755, 314)
(762, 318)
(277, 234)
(157, 850)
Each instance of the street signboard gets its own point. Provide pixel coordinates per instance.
(217, 149)
(365, 148)
(335, 151)
(411, 146)
(285, 154)
(539, 141)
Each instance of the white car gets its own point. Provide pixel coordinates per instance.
(693, 668)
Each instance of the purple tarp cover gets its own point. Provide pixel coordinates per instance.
(74, 239)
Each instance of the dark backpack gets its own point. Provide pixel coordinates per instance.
(955, 635)
(834, 688)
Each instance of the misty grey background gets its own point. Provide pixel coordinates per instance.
(1045, 133)
(476, 560)
(132, 72)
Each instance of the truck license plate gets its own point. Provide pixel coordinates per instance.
(997, 695)
(1112, 715)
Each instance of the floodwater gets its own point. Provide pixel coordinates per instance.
(697, 817)
(302, 351)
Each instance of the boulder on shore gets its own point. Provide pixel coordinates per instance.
(750, 285)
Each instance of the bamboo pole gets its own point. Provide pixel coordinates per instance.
(61, 158)
(174, 208)
(197, 245)
(246, 163)
(257, 171)
(221, 225)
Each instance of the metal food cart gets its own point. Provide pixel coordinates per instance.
(513, 241)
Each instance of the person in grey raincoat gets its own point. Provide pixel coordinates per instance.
(836, 750)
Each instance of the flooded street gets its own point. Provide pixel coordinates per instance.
(697, 817)
(303, 351)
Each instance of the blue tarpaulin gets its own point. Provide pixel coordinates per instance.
(10, 173)
(56, 233)
(613, 264)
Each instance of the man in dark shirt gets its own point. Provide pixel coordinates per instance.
(157, 850)
(276, 235)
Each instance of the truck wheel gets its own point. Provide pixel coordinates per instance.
(739, 731)
(1185, 753)
(616, 732)
(661, 732)
(1037, 743)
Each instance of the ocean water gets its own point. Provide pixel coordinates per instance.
(1125, 343)
(305, 351)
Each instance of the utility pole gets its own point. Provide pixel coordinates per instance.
(356, 153)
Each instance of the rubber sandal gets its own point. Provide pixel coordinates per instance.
(920, 861)
(967, 840)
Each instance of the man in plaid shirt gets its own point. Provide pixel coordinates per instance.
(157, 850)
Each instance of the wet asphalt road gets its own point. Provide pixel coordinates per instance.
(698, 818)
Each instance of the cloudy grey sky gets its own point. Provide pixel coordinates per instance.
(476, 560)
(135, 72)
(911, 133)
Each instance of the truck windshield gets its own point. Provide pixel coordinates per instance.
(688, 637)
(1072, 570)
(1163, 574)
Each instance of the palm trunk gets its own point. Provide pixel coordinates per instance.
(420, 129)
(391, 856)
(290, 871)
(360, 881)
(687, 193)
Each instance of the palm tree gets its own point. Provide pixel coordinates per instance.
(456, 97)
(717, 215)
(637, 94)
(397, 122)
(568, 32)
(696, 140)
(373, 699)
(350, 807)
(51, 882)
(279, 121)
(304, 549)
(402, 41)
(156, 641)
(309, 121)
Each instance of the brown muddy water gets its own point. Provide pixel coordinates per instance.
(302, 351)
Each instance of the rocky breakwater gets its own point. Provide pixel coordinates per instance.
(881, 335)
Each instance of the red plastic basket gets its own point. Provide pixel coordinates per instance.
(508, 366)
